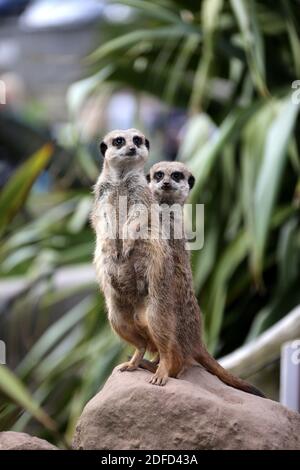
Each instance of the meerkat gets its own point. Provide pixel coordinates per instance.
(170, 183)
(134, 273)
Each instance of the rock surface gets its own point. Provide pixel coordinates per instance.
(21, 441)
(196, 412)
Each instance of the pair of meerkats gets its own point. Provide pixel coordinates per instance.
(147, 281)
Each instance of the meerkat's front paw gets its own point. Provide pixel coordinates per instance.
(127, 366)
(159, 378)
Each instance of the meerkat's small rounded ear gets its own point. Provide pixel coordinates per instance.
(147, 143)
(103, 148)
(191, 181)
(148, 178)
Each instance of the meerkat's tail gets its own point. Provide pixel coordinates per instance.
(210, 364)
(148, 365)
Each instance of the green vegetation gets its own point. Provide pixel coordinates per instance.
(231, 66)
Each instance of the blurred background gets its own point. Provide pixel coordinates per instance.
(211, 83)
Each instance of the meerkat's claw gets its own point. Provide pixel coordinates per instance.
(127, 366)
(158, 379)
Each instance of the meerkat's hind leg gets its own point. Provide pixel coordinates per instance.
(120, 317)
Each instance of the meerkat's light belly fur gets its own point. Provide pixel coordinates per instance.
(126, 283)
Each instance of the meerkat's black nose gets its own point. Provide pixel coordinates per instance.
(132, 151)
(166, 185)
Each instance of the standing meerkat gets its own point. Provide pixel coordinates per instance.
(170, 183)
(134, 273)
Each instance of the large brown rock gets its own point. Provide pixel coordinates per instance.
(196, 412)
(21, 441)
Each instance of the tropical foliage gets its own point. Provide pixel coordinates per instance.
(231, 66)
(57, 338)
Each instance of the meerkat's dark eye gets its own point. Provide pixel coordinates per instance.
(118, 142)
(137, 140)
(191, 181)
(158, 175)
(177, 176)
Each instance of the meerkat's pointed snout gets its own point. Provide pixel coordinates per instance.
(131, 151)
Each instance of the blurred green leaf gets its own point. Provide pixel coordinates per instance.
(81, 215)
(158, 35)
(210, 12)
(16, 391)
(253, 143)
(173, 85)
(292, 33)
(288, 254)
(14, 194)
(245, 12)
(80, 90)
(153, 9)
(230, 259)
(52, 335)
(203, 160)
(270, 175)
